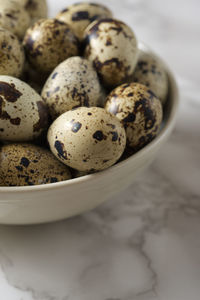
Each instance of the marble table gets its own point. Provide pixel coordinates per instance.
(144, 244)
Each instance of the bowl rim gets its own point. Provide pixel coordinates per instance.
(83, 179)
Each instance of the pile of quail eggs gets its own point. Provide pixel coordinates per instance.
(76, 94)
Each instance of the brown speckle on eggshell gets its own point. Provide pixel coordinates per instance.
(80, 15)
(27, 164)
(73, 83)
(139, 110)
(23, 113)
(14, 17)
(97, 144)
(11, 54)
(112, 48)
(48, 42)
(37, 9)
(150, 72)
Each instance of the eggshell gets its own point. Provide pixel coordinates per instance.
(112, 48)
(11, 54)
(87, 139)
(73, 83)
(80, 15)
(150, 72)
(139, 110)
(48, 42)
(23, 113)
(36, 9)
(26, 164)
(14, 17)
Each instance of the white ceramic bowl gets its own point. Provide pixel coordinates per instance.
(51, 202)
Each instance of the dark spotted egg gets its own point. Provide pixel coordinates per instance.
(27, 164)
(37, 9)
(48, 42)
(14, 17)
(139, 110)
(80, 15)
(23, 113)
(150, 72)
(73, 83)
(112, 48)
(87, 139)
(11, 54)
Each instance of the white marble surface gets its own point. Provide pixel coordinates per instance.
(144, 244)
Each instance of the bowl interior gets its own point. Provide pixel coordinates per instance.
(169, 117)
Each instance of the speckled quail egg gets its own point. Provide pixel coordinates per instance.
(14, 17)
(139, 110)
(87, 139)
(37, 9)
(150, 72)
(112, 47)
(73, 83)
(11, 54)
(23, 113)
(48, 42)
(80, 15)
(26, 164)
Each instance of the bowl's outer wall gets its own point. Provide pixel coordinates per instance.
(42, 205)
(52, 205)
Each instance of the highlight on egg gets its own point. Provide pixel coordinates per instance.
(73, 83)
(23, 113)
(87, 139)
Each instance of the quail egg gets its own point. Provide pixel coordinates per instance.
(80, 15)
(139, 110)
(112, 47)
(37, 9)
(11, 54)
(23, 113)
(73, 83)
(87, 139)
(27, 164)
(150, 72)
(14, 17)
(48, 42)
